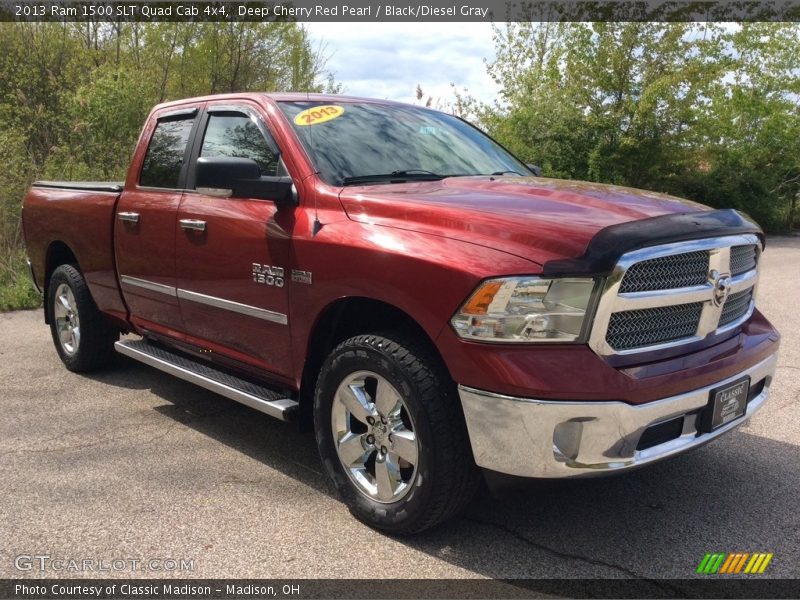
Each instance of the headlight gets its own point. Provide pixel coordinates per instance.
(526, 309)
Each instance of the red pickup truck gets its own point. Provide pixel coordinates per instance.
(394, 277)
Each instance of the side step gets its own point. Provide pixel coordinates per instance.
(263, 399)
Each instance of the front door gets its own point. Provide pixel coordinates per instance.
(232, 254)
(144, 226)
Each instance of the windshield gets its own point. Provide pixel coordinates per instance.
(356, 143)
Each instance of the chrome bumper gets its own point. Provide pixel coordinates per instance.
(540, 438)
(30, 274)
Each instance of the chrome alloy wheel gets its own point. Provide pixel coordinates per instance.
(68, 325)
(374, 437)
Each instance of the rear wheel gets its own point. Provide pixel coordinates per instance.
(83, 338)
(391, 433)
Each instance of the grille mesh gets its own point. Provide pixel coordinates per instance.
(646, 327)
(667, 272)
(735, 307)
(743, 259)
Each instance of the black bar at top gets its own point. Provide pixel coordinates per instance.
(401, 11)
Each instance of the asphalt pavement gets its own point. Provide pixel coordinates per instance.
(134, 464)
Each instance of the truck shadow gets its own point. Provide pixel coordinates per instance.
(736, 494)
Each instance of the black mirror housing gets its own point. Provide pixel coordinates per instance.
(242, 176)
(535, 169)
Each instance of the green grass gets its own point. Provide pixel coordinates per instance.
(16, 289)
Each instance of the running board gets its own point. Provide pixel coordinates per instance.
(259, 397)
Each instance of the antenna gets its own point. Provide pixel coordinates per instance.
(317, 225)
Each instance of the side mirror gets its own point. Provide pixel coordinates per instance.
(241, 178)
(535, 169)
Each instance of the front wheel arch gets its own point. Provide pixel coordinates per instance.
(345, 318)
(445, 471)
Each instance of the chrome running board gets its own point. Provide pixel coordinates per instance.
(256, 396)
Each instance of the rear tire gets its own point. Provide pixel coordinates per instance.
(391, 433)
(83, 338)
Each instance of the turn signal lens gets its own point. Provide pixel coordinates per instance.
(479, 303)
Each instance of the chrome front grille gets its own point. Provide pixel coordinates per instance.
(743, 258)
(735, 307)
(675, 294)
(649, 326)
(666, 272)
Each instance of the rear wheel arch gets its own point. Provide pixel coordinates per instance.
(58, 253)
(83, 338)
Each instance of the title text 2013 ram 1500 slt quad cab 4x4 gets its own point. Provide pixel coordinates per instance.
(395, 277)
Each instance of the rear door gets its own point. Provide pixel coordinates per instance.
(233, 253)
(144, 229)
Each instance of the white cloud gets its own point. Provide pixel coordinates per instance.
(388, 60)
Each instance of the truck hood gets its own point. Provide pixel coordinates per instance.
(535, 218)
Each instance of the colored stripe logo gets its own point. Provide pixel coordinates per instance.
(723, 563)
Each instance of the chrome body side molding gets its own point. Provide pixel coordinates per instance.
(243, 309)
(222, 303)
(150, 285)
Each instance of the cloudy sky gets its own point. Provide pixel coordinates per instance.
(388, 60)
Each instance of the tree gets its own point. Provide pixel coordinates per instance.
(699, 110)
(73, 97)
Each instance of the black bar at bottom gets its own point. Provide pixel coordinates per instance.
(153, 589)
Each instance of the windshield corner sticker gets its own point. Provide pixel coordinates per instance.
(319, 114)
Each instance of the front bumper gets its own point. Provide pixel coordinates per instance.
(555, 439)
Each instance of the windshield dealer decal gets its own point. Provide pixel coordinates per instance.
(318, 114)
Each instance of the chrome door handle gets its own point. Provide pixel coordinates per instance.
(193, 224)
(129, 217)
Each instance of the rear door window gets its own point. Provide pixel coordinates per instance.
(166, 153)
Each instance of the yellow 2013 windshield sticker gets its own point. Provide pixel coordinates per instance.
(318, 114)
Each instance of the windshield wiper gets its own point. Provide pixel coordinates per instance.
(395, 176)
(495, 174)
(506, 173)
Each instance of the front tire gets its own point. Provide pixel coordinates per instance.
(391, 433)
(83, 338)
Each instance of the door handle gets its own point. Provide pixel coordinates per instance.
(129, 217)
(193, 224)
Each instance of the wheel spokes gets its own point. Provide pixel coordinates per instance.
(63, 332)
(59, 311)
(351, 450)
(404, 445)
(377, 446)
(65, 316)
(386, 398)
(387, 477)
(354, 398)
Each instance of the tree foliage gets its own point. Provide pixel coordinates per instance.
(697, 110)
(74, 96)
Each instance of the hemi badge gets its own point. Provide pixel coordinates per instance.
(301, 276)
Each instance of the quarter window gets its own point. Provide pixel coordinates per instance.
(164, 158)
(238, 136)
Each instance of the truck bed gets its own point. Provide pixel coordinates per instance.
(78, 216)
